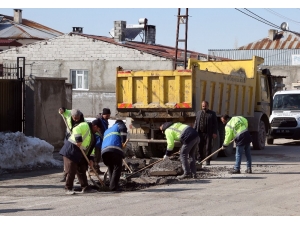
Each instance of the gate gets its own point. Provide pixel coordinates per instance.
(12, 96)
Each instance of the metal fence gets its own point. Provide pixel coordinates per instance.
(12, 96)
(272, 57)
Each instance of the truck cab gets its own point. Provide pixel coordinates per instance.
(285, 117)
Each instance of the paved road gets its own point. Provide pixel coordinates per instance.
(272, 190)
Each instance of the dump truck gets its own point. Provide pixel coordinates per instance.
(148, 98)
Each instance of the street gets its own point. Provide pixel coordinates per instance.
(272, 190)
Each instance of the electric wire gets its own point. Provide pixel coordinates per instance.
(262, 18)
(268, 22)
(281, 16)
(258, 19)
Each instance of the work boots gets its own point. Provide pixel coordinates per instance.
(184, 176)
(248, 170)
(234, 171)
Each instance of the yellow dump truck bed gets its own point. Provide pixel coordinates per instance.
(154, 89)
(229, 87)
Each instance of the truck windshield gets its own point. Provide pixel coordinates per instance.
(286, 102)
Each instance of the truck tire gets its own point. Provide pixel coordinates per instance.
(270, 141)
(137, 150)
(259, 138)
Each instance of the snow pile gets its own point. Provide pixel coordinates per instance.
(18, 151)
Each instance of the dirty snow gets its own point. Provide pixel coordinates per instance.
(19, 151)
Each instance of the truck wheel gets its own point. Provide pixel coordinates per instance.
(259, 138)
(270, 141)
(137, 151)
(147, 150)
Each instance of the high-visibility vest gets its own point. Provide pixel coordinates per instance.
(234, 127)
(67, 115)
(81, 133)
(173, 134)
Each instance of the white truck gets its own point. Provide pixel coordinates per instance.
(285, 116)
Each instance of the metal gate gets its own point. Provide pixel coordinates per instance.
(12, 96)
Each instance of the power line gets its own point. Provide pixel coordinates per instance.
(266, 21)
(258, 19)
(274, 25)
(281, 16)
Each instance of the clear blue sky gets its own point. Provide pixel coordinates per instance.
(208, 27)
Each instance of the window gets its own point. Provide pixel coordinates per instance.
(79, 79)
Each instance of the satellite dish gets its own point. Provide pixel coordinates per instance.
(284, 26)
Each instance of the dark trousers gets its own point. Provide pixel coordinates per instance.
(113, 161)
(205, 146)
(72, 169)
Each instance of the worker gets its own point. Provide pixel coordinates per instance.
(75, 163)
(103, 118)
(112, 152)
(97, 128)
(72, 117)
(206, 125)
(237, 129)
(189, 139)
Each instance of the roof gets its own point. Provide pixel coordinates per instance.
(26, 30)
(154, 49)
(9, 42)
(281, 40)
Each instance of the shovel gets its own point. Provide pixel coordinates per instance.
(86, 158)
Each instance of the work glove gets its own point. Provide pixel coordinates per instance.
(165, 157)
(223, 147)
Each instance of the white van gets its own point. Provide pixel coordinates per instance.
(285, 117)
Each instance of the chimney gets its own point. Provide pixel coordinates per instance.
(18, 16)
(150, 34)
(272, 34)
(77, 30)
(119, 30)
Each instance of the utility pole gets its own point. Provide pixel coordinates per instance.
(181, 20)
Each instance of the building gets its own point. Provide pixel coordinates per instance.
(89, 62)
(16, 31)
(280, 50)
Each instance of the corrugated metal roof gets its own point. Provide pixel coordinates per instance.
(157, 50)
(282, 40)
(8, 42)
(27, 29)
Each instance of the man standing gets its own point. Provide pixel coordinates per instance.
(97, 128)
(206, 125)
(189, 139)
(73, 118)
(237, 128)
(103, 118)
(74, 161)
(112, 152)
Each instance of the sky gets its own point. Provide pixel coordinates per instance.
(211, 25)
(19, 151)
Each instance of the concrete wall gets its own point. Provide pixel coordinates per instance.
(292, 74)
(44, 96)
(57, 56)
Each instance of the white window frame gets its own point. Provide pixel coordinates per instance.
(81, 79)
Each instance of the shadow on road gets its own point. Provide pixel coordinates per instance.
(21, 210)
